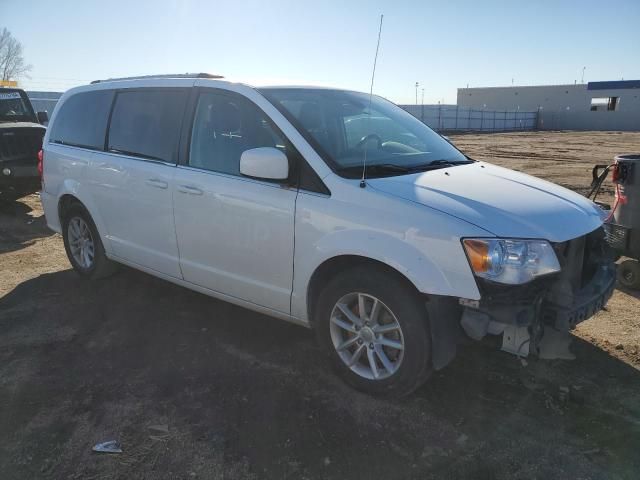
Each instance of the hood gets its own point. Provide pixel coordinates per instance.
(503, 202)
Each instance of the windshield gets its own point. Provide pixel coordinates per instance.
(342, 128)
(13, 108)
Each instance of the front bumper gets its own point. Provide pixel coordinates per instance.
(535, 305)
(586, 302)
(560, 301)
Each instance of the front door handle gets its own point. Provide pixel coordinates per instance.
(190, 190)
(154, 182)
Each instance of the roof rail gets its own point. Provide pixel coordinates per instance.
(166, 75)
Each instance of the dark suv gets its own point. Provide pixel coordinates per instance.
(21, 133)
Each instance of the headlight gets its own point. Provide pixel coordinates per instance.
(510, 261)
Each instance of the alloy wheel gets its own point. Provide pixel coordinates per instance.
(367, 336)
(81, 242)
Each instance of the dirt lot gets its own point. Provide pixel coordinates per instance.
(232, 394)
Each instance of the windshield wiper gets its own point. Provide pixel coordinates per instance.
(450, 162)
(390, 169)
(436, 164)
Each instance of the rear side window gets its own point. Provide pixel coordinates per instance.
(82, 120)
(146, 123)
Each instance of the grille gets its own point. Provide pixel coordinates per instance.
(581, 257)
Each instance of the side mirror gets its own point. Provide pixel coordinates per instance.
(267, 163)
(43, 117)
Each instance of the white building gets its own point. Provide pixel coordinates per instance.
(611, 105)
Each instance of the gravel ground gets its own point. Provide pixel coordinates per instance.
(196, 388)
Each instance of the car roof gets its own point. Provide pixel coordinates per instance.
(163, 75)
(306, 87)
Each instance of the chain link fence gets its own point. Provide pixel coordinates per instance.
(444, 118)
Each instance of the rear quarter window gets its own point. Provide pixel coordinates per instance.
(82, 120)
(146, 123)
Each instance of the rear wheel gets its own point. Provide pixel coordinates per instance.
(629, 274)
(373, 326)
(83, 245)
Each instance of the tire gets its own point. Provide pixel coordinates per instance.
(96, 264)
(397, 304)
(629, 274)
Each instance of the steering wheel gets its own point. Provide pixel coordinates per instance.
(366, 138)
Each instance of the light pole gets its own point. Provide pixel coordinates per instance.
(583, 69)
(423, 96)
(417, 85)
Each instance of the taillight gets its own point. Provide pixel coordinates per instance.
(40, 162)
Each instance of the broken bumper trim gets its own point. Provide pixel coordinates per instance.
(588, 302)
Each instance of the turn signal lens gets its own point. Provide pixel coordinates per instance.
(485, 256)
(478, 252)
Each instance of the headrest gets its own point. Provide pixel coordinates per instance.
(226, 117)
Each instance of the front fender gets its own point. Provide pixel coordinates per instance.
(433, 264)
(392, 251)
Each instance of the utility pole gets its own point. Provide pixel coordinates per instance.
(417, 85)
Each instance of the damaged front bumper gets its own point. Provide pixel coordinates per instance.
(586, 302)
(521, 313)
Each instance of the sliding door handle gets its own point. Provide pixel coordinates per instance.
(190, 190)
(154, 182)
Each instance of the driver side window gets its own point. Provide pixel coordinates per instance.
(225, 125)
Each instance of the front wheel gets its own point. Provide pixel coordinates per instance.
(374, 327)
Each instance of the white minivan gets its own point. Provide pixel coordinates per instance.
(328, 208)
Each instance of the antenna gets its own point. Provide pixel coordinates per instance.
(373, 74)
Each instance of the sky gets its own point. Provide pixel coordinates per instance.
(442, 45)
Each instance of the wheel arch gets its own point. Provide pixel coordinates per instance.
(65, 202)
(332, 266)
(69, 198)
(441, 312)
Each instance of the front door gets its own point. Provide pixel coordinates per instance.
(235, 234)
